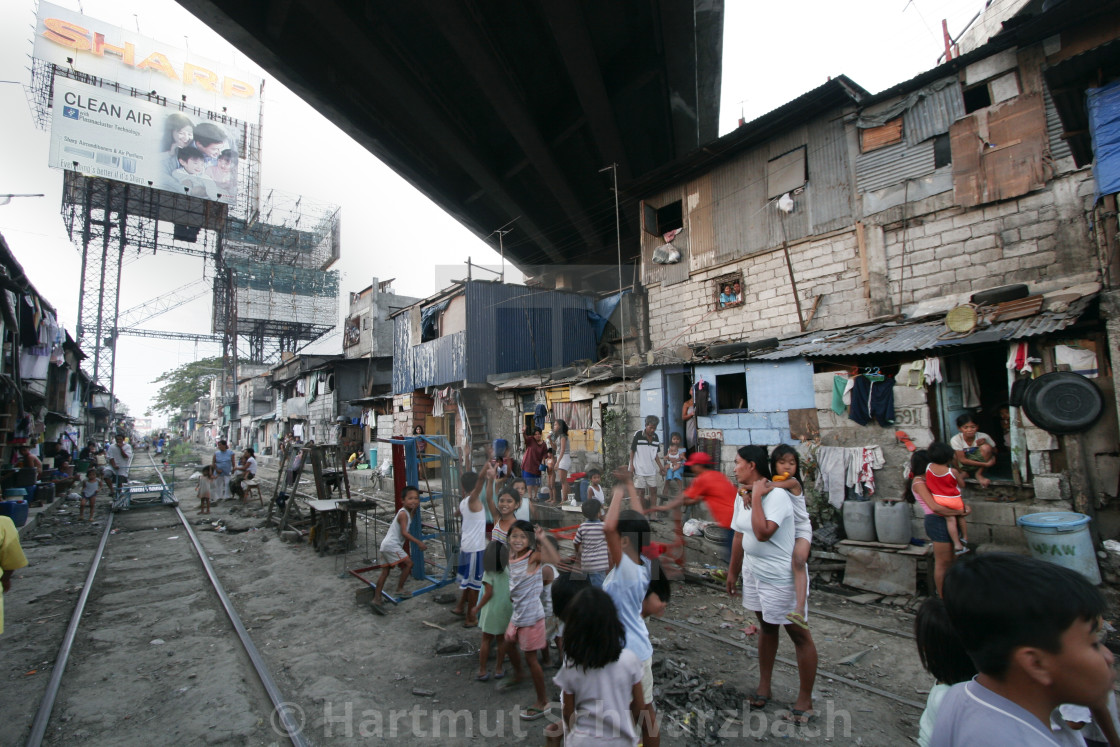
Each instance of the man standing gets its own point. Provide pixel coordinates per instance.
(645, 460)
(222, 464)
(120, 457)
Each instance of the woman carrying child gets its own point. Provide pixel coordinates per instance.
(944, 484)
(527, 625)
(936, 516)
(601, 681)
(785, 466)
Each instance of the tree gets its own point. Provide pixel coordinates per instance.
(182, 387)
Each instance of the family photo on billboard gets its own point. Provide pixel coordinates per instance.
(198, 158)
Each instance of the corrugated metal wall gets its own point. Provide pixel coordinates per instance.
(893, 165)
(933, 114)
(830, 190)
(499, 319)
(441, 361)
(1059, 146)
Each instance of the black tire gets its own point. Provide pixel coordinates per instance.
(1001, 294)
(1063, 402)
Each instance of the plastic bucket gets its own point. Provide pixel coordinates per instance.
(1062, 538)
(14, 510)
(892, 522)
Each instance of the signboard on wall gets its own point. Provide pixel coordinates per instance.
(72, 40)
(100, 132)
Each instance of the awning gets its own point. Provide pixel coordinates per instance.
(930, 334)
(58, 417)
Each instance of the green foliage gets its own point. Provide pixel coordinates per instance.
(616, 441)
(183, 386)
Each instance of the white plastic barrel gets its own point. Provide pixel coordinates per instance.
(859, 520)
(1062, 538)
(892, 522)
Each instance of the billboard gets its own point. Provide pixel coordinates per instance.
(100, 132)
(70, 39)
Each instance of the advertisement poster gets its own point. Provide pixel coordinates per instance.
(69, 39)
(99, 132)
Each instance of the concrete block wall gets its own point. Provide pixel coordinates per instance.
(828, 267)
(946, 251)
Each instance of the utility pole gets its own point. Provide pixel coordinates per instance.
(613, 168)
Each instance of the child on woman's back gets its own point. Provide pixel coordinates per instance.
(493, 612)
(601, 681)
(786, 468)
(942, 655)
(392, 547)
(945, 485)
(205, 488)
(974, 451)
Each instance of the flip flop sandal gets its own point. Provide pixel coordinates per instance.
(482, 677)
(797, 619)
(510, 685)
(457, 613)
(377, 609)
(905, 440)
(758, 702)
(404, 594)
(798, 717)
(499, 675)
(533, 713)
(470, 624)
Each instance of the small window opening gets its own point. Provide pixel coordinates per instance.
(942, 152)
(660, 221)
(731, 392)
(977, 98)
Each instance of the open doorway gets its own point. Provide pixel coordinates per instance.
(986, 402)
(678, 384)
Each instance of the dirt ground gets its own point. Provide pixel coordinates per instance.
(352, 676)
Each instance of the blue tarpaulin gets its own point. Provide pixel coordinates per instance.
(1104, 126)
(599, 312)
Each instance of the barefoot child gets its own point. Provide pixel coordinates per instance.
(205, 488)
(472, 545)
(786, 468)
(945, 485)
(493, 612)
(974, 451)
(91, 486)
(527, 626)
(601, 681)
(392, 547)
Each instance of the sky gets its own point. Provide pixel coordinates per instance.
(773, 52)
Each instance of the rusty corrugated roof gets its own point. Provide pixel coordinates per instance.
(924, 335)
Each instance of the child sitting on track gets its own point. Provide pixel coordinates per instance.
(392, 547)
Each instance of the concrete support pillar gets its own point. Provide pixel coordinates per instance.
(879, 301)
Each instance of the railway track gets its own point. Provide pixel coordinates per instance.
(206, 666)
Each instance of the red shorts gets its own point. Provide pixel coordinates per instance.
(529, 638)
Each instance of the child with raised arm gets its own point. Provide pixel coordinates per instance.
(785, 466)
(205, 489)
(493, 612)
(944, 484)
(591, 544)
(527, 626)
(392, 547)
(472, 544)
(974, 451)
(627, 534)
(91, 486)
(504, 511)
(601, 680)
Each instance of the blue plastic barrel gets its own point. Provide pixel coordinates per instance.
(1062, 538)
(14, 510)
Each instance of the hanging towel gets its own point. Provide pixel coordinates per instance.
(861, 400)
(970, 386)
(933, 371)
(839, 387)
(848, 390)
(871, 458)
(831, 473)
(915, 374)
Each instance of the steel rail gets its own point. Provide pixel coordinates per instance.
(46, 705)
(281, 707)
